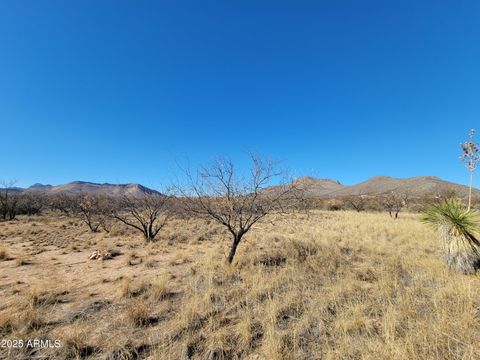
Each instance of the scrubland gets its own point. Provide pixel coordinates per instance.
(324, 285)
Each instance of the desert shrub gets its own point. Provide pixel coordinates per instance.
(334, 207)
(457, 228)
(301, 250)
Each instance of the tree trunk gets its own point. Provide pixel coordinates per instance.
(147, 236)
(233, 249)
(12, 214)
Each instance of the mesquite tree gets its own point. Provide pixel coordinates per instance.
(61, 202)
(356, 202)
(147, 213)
(9, 199)
(32, 203)
(235, 200)
(471, 157)
(394, 202)
(93, 209)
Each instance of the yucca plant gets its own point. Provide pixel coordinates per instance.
(457, 228)
(471, 157)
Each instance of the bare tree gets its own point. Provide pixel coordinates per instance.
(357, 203)
(12, 203)
(61, 202)
(32, 203)
(238, 201)
(9, 199)
(394, 203)
(148, 213)
(93, 209)
(445, 193)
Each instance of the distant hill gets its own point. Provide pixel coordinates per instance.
(15, 189)
(379, 185)
(318, 187)
(413, 186)
(77, 187)
(313, 187)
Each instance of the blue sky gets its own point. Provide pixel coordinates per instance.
(118, 91)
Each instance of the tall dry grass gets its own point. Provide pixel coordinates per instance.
(330, 285)
(335, 286)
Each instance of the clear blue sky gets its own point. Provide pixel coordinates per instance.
(116, 91)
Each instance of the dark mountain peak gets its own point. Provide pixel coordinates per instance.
(40, 186)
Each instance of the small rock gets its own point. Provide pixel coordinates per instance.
(94, 255)
(98, 255)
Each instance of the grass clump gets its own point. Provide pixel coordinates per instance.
(130, 288)
(139, 314)
(159, 287)
(457, 228)
(75, 344)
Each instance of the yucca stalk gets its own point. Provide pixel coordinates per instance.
(471, 157)
(457, 228)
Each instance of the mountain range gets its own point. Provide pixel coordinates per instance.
(322, 188)
(77, 187)
(379, 185)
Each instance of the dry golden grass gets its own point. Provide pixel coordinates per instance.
(331, 285)
(132, 288)
(3, 253)
(139, 313)
(159, 287)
